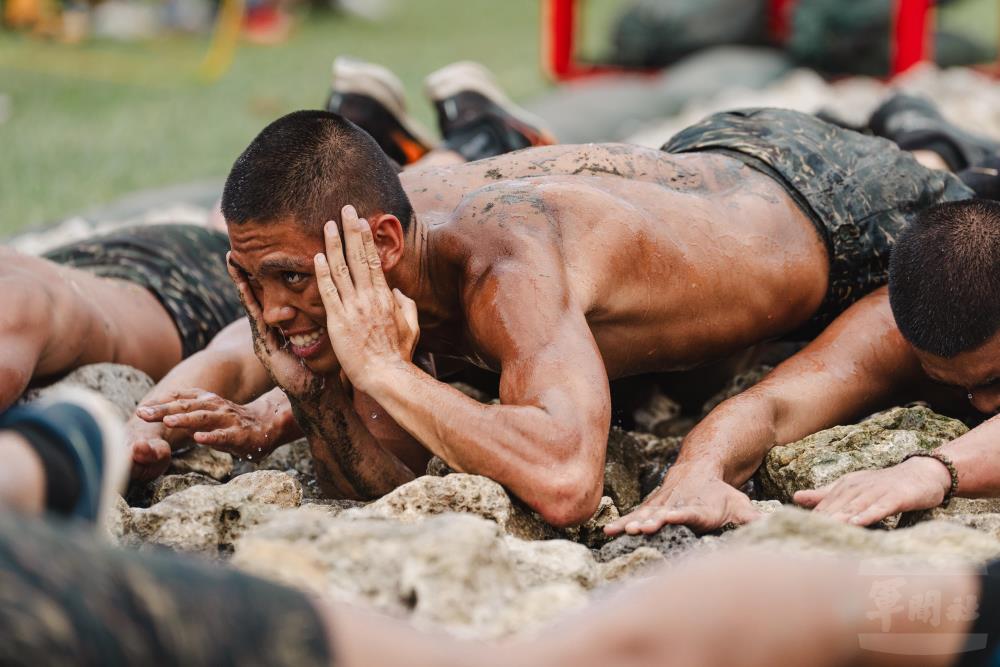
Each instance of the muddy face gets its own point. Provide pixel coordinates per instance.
(976, 371)
(277, 258)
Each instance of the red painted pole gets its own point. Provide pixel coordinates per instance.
(911, 34)
(561, 22)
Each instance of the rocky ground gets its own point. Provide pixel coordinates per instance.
(455, 551)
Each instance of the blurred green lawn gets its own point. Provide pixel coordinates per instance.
(90, 123)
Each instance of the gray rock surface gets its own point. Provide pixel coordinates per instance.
(621, 470)
(454, 571)
(208, 519)
(123, 386)
(983, 514)
(203, 460)
(880, 441)
(670, 541)
(799, 530)
(472, 494)
(168, 485)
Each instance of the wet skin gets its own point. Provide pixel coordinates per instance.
(56, 319)
(559, 267)
(859, 365)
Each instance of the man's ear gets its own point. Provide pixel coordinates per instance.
(389, 237)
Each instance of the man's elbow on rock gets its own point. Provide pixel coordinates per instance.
(571, 500)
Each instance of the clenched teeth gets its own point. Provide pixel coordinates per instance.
(305, 340)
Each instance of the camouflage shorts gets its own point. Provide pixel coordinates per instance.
(67, 599)
(859, 191)
(184, 266)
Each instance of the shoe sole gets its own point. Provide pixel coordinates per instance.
(471, 76)
(365, 78)
(116, 463)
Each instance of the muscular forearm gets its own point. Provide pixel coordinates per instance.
(350, 461)
(976, 456)
(731, 442)
(523, 447)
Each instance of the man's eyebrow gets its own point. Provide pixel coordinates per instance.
(284, 264)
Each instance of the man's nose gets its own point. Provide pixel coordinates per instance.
(277, 313)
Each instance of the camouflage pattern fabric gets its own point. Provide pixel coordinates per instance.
(184, 266)
(859, 191)
(66, 599)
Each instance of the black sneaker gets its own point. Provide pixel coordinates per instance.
(80, 429)
(372, 97)
(914, 123)
(476, 118)
(983, 178)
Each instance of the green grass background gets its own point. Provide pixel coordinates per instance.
(90, 123)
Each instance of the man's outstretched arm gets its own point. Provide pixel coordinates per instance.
(546, 441)
(855, 365)
(867, 496)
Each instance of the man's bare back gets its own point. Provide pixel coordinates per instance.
(142, 296)
(674, 260)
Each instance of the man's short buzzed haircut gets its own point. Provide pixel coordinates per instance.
(944, 277)
(307, 166)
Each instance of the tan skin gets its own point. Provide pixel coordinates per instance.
(57, 318)
(860, 364)
(560, 267)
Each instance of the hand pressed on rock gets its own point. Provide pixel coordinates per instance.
(370, 326)
(287, 371)
(861, 498)
(700, 501)
(214, 422)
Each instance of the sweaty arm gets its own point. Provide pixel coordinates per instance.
(546, 440)
(857, 364)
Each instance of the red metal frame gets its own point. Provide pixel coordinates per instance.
(911, 36)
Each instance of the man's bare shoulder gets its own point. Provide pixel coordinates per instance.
(26, 291)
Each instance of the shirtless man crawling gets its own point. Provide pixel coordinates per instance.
(932, 334)
(142, 296)
(558, 267)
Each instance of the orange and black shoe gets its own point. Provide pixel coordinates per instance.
(372, 97)
(476, 118)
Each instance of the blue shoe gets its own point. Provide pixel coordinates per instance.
(81, 424)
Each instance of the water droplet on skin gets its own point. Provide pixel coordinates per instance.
(374, 415)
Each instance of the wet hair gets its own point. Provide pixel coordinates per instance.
(307, 166)
(944, 277)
